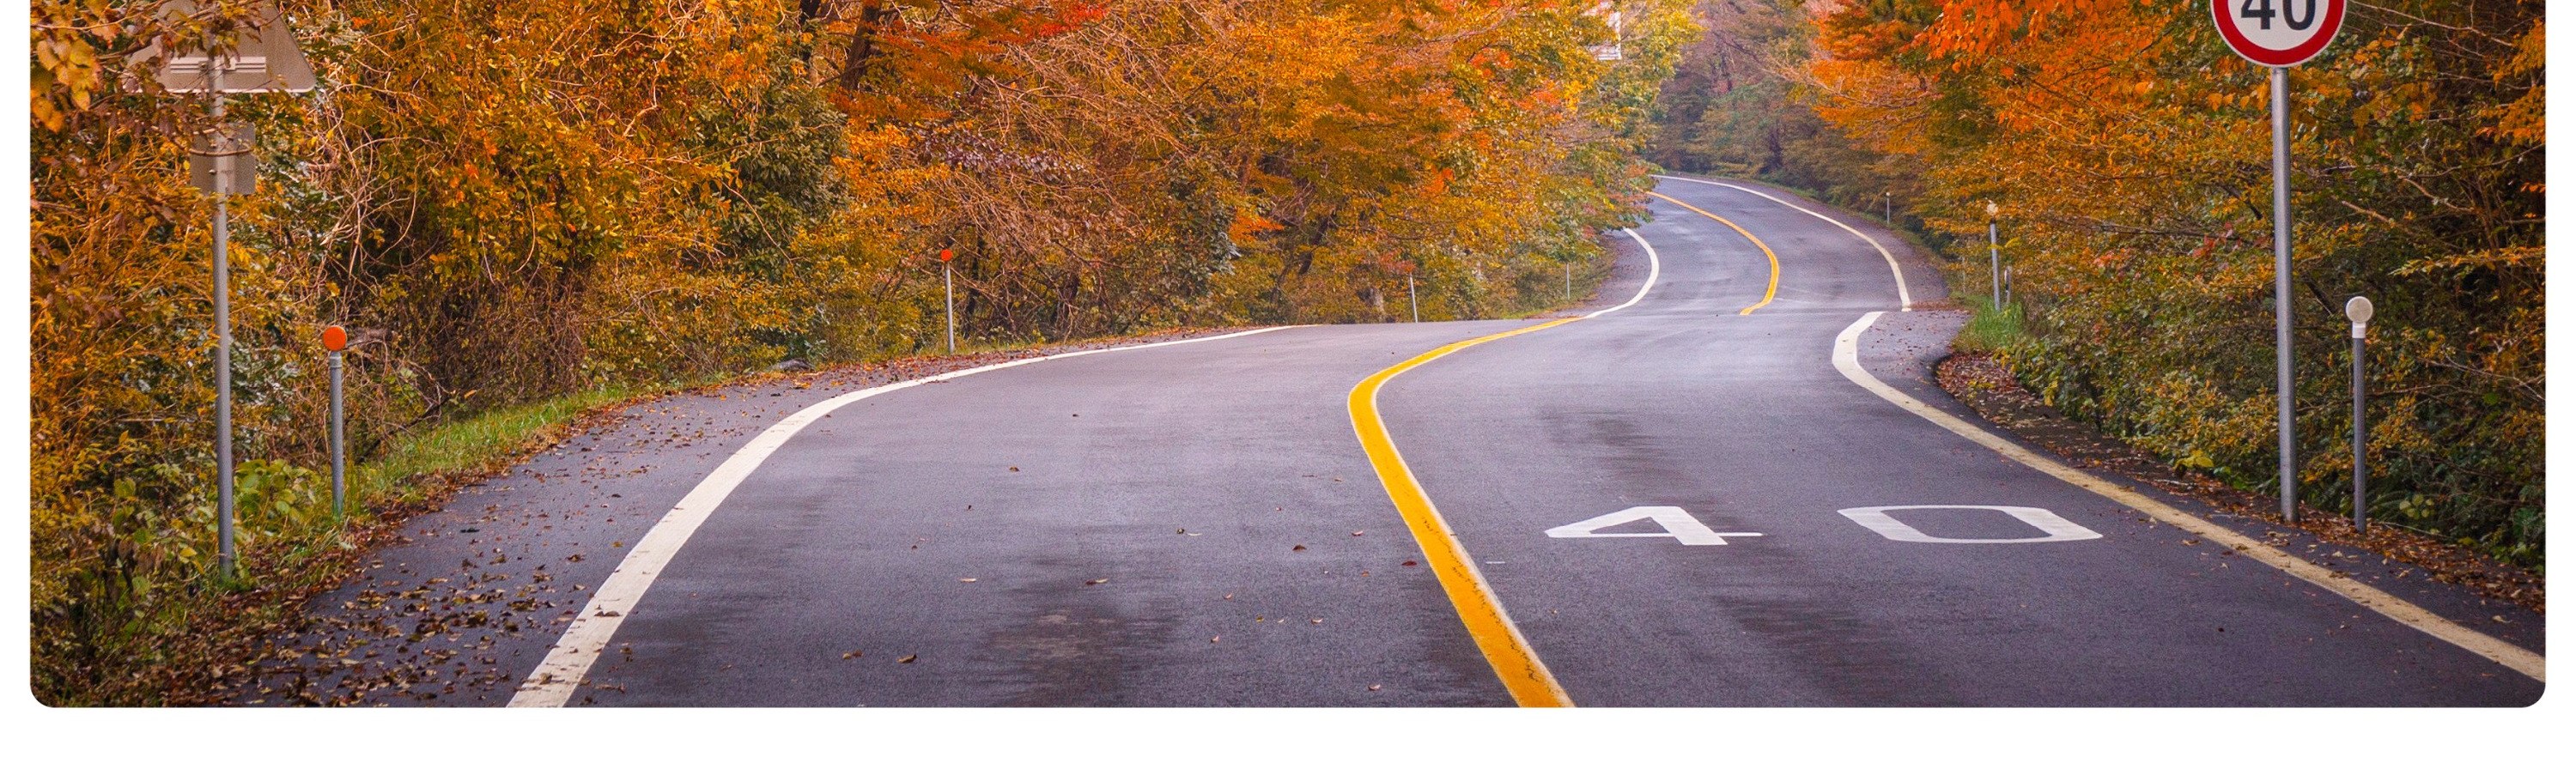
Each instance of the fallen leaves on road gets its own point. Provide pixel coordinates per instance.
(965, 580)
(907, 658)
(1095, 582)
(852, 655)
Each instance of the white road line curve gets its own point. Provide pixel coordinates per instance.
(552, 683)
(1654, 269)
(2516, 658)
(1904, 297)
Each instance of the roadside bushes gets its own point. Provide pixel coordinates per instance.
(2130, 152)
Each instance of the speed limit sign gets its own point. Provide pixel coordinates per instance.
(2277, 33)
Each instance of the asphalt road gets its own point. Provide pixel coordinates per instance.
(1195, 525)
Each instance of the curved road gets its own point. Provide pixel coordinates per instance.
(1195, 524)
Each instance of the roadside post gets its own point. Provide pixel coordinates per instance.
(2277, 34)
(1410, 301)
(335, 340)
(2359, 310)
(1887, 200)
(1569, 281)
(266, 60)
(948, 296)
(1994, 259)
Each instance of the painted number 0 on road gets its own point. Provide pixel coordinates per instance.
(2277, 33)
(1880, 519)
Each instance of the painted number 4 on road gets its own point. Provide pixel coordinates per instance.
(2277, 33)
(1678, 524)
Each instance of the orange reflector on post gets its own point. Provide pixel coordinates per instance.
(334, 338)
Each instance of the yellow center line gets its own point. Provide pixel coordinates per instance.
(1768, 292)
(1528, 680)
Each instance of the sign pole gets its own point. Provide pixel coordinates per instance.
(1994, 259)
(267, 61)
(2359, 309)
(2277, 35)
(334, 340)
(1410, 300)
(948, 299)
(2281, 292)
(223, 170)
(339, 451)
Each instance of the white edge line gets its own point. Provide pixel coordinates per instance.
(1847, 359)
(1654, 269)
(1904, 297)
(552, 683)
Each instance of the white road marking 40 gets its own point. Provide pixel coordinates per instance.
(1678, 524)
(2059, 529)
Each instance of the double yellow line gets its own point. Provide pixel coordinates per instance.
(1767, 292)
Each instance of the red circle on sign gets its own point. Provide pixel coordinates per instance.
(2278, 58)
(944, 255)
(334, 339)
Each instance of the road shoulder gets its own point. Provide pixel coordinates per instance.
(1910, 351)
(465, 597)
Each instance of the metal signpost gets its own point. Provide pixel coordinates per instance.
(1410, 300)
(335, 340)
(2359, 310)
(948, 300)
(2277, 34)
(1994, 259)
(265, 61)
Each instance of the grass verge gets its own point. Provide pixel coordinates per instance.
(1990, 329)
(173, 649)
